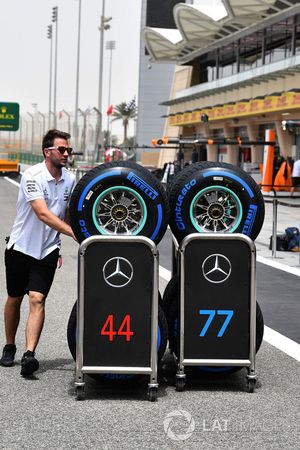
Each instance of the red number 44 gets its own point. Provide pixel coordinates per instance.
(124, 329)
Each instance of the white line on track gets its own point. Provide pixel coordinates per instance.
(274, 338)
(277, 265)
(12, 181)
(283, 343)
(165, 273)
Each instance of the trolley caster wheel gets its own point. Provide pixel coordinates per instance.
(79, 393)
(251, 385)
(152, 394)
(180, 384)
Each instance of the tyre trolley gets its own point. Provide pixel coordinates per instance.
(217, 304)
(117, 309)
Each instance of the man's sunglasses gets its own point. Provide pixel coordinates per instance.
(62, 149)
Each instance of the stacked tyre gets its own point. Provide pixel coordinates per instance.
(119, 199)
(211, 197)
(170, 307)
(162, 338)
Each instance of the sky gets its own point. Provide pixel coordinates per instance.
(25, 53)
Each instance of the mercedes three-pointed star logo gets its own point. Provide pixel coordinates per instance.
(216, 268)
(117, 272)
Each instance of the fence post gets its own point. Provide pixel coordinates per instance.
(274, 228)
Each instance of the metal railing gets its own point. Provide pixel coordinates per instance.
(275, 203)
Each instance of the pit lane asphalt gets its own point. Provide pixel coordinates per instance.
(42, 413)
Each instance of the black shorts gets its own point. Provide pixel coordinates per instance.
(296, 181)
(25, 273)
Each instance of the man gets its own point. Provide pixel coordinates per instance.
(32, 251)
(296, 176)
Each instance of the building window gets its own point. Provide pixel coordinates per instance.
(274, 43)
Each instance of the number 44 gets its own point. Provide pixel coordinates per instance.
(211, 314)
(124, 329)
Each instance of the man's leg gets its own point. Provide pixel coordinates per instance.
(12, 317)
(34, 326)
(35, 320)
(40, 280)
(11, 321)
(17, 270)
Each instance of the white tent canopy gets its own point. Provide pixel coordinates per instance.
(162, 43)
(201, 26)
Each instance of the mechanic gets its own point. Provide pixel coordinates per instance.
(32, 252)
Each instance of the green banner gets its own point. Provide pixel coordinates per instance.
(9, 116)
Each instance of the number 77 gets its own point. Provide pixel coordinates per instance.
(211, 314)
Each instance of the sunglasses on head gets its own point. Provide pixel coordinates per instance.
(62, 149)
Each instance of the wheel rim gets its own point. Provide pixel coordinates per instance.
(216, 209)
(119, 210)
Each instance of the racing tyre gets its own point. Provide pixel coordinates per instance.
(213, 197)
(170, 303)
(162, 340)
(119, 198)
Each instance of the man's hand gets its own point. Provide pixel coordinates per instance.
(73, 236)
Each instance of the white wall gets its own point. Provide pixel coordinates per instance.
(155, 81)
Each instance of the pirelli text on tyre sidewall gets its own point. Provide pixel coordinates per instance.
(211, 197)
(119, 198)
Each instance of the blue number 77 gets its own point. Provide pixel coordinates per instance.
(211, 314)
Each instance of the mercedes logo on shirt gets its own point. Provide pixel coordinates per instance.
(117, 272)
(216, 268)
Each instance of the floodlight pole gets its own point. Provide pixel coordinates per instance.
(55, 20)
(49, 36)
(77, 79)
(110, 45)
(103, 26)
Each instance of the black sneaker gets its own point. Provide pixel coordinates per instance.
(8, 355)
(29, 364)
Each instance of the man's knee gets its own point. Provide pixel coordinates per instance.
(36, 299)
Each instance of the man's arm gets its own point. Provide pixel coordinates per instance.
(40, 208)
(67, 216)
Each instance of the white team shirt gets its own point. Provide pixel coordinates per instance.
(30, 235)
(296, 169)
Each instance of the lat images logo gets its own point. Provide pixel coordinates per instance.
(179, 425)
(216, 268)
(117, 272)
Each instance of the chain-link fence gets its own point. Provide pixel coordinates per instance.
(28, 139)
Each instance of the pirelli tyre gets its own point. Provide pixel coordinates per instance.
(162, 339)
(213, 197)
(170, 304)
(119, 198)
